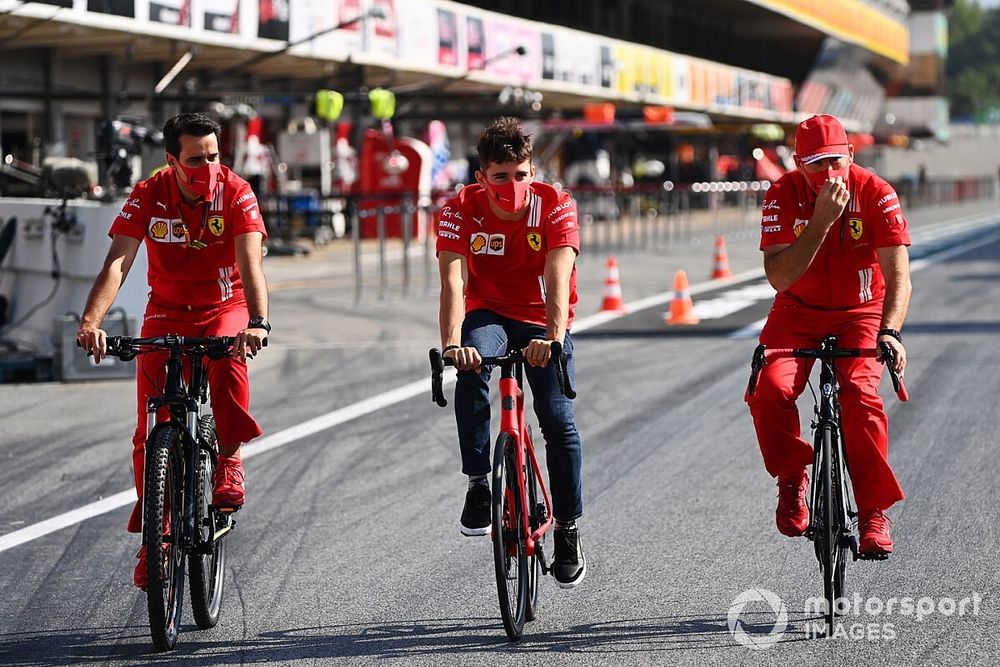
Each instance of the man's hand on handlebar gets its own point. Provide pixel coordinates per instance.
(93, 340)
(899, 352)
(248, 343)
(465, 358)
(538, 353)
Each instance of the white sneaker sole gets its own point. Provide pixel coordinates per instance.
(575, 582)
(474, 532)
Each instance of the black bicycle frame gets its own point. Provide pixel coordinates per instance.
(184, 404)
(828, 415)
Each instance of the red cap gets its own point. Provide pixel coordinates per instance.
(820, 137)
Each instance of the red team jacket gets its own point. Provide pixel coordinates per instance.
(845, 272)
(181, 277)
(506, 258)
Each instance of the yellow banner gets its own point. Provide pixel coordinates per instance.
(852, 21)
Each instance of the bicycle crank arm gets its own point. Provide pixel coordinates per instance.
(540, 554)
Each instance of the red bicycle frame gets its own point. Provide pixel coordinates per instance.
(512, 423)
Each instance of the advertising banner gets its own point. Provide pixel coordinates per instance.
(221, 15)
(171, 12)
(273, 19)
(116, 7)
(447, 32)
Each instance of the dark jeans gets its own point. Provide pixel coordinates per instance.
(493, 335)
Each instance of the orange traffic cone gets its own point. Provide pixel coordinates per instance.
(681, 308)
(612, 288)
(721, 269)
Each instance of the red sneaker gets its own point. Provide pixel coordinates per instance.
(874, 529)
(228, 482)
(792, 515)
(139, 574)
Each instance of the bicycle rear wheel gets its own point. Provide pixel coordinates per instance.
(207, 566)
(509, 555)
(163, 502)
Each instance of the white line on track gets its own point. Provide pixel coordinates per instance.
(397, 395)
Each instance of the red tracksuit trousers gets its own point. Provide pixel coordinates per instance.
(229, 386)
(864, 422)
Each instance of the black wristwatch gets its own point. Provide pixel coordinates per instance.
(891, 332)
(258, 322)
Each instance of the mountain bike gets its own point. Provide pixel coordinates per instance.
(520, 520)
(833, 518)
(180, 524)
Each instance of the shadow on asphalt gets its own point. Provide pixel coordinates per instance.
(78, 646)
(401, 639)
(988, 327)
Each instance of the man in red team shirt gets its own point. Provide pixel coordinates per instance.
(204, 234)
(507, 252)
(834, 240)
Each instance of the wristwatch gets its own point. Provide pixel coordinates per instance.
(258, 322)
(891, 332)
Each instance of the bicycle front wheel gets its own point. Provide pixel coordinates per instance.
(509, 554)
(206, 566)
(829, 532)
(163, 502)
(536, 514)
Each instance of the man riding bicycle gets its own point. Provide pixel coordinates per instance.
(507, 252)
(834, 240)
(203, 233)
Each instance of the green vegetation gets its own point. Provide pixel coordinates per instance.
(973, 69)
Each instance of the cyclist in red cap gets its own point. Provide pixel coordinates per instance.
(835, 242)
(507, 251)
(203, 234)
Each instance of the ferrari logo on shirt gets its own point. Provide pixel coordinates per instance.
(535, 241)
(856, 228)
(217, 224)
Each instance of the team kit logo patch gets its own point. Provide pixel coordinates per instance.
(535, 241)
(857, 229)
(799, 226)
(487, 244)
(166, 230)
(216, 225)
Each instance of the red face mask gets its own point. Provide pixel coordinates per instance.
(511, 196)
(816, 181)
(202, 180)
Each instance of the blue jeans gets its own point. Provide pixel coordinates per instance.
(493, 335)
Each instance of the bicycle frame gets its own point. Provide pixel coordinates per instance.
(512, 422)
(827, 414)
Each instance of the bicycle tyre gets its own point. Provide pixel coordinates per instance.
(536, 517)
(163, 496)
(842, 545)
(828, 532)
(206, 571)
(509, 557)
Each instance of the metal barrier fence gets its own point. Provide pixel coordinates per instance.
(392, 236)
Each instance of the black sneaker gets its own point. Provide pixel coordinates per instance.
(477, 510)
(569, 566)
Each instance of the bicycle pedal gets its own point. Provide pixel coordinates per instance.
(226, 510)
(875, 556)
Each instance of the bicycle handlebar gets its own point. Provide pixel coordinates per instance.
(127, 348)
(439, 361)
(884, 350)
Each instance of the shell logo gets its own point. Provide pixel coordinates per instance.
(159, 230)
(478, 243)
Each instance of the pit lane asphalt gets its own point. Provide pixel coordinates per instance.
(348, 549)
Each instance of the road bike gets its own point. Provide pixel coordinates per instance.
(833, 518)
(519, 519)
(180, 525)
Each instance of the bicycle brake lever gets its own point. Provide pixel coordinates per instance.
(756, 363)
(437, 370)
(562, 370)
